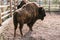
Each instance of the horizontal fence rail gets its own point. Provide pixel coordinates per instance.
(6, 13)
(4, 16)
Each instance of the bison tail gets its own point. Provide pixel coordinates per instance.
(15, 22)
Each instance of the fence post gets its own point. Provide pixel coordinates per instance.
(59, 4)
(17, 2)
(2, 4)
(14, 5)
(10, 7)
(0, 19)
(0, 14)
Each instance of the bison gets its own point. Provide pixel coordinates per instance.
(27, 14)
(21, 4)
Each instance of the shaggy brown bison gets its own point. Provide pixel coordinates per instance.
(27, 14)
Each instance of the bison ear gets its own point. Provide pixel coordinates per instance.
(40, 8)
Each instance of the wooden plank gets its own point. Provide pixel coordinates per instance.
(14, 5)
(1, 6)
(6, 12)
(0, 19)
(10, 7)
(5, 16)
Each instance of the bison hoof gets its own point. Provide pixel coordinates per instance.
(31, 30)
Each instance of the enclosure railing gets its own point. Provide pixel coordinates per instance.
(4, 15)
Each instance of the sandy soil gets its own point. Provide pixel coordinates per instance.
(49, 29)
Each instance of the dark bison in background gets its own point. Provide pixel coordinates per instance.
(21, 4)
(27, 14)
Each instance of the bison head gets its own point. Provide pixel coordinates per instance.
(41, 13)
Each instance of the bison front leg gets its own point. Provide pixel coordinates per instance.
(30, 25)
(20, 28)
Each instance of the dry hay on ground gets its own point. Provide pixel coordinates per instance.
(49, 29)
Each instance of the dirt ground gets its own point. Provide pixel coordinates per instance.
(48, 29)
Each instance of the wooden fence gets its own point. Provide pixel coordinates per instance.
(4, 15)
(8, 13)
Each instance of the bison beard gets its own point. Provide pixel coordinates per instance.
(28, 14)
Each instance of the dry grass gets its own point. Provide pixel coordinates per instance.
(49, 29)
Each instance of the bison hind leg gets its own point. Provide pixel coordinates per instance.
(20, 28)
(15, 27)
